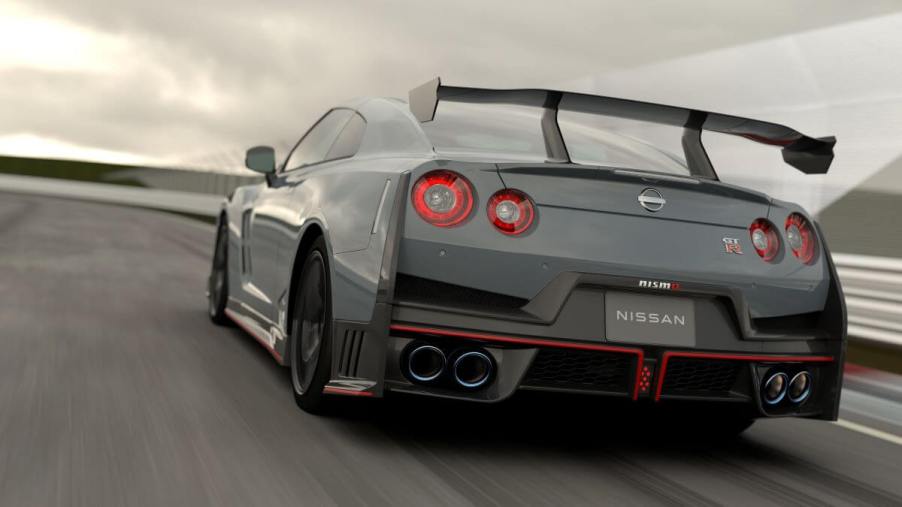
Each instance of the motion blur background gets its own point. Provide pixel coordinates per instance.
(153, 104)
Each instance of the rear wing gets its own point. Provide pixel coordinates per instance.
(809, 155)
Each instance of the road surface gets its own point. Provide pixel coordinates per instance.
(115, 389)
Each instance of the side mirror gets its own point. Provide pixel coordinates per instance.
(261, 159)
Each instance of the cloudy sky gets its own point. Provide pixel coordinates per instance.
(195, 82)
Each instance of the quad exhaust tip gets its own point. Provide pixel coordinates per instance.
(774, 389)
(472, 369)
(779, 386)
(426, 363)
(799, 387)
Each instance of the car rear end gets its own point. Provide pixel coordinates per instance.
(600, 294)
(623, 270)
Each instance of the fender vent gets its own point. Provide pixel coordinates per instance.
(246, 243)
(350, 352)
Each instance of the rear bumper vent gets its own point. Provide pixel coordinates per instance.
(581, 370)
(700, 377)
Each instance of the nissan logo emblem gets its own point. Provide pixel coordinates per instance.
(652, 200)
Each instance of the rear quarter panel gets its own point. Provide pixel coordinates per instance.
(344, 199)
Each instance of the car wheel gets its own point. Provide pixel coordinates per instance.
(218, 283)
(311, 357)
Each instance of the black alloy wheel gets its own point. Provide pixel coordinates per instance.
(218, 283)
(310, 331)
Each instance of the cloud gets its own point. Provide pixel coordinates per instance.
(173, 80)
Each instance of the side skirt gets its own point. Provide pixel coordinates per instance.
(261, 330)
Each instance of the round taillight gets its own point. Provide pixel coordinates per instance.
(442, 198)
(511, 211)
(800, 237)
(764, 239)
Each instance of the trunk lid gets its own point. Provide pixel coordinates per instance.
(617, 191)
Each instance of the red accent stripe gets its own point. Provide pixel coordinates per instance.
(768, 140)
(347, 392)
(732, 357)
(640, 355)
(237, 320)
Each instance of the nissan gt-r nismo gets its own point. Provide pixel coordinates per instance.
(473, 243)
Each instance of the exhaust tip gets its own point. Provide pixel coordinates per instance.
(799, 387)
(774, 389)
(472, 369)
(426, 363)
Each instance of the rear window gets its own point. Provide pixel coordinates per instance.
(617, 142)
(506, 131)
(514, 133)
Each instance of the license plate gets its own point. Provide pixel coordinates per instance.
(652, 320)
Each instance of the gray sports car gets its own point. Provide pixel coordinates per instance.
(472, 243)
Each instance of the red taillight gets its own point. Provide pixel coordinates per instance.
(765, 239)
(511, 211)
(800, 237)
(442, 198)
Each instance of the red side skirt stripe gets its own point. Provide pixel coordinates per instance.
(347, 392)
(237, 320)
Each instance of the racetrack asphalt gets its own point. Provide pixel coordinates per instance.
(115, 389)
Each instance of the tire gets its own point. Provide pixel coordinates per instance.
(311, 327)
(218, 283)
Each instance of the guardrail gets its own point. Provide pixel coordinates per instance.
(873, 290)
(169, 200)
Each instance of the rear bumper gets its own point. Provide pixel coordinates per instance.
(558, 342)
(644, 374)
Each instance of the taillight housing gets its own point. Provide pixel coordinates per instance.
(765, 239)
(801, 238)
(443, 198)
(511, 211)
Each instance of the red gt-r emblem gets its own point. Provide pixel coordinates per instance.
(732, 246)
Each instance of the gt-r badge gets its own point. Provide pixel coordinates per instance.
(732, 246)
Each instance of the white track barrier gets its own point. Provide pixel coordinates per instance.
(169, 200)
(873, 290)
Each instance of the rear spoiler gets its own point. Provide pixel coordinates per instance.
(809, 155)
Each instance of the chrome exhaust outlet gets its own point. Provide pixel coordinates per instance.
(426, 363)
(799, 387)
(472, 369)
(774, 389)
